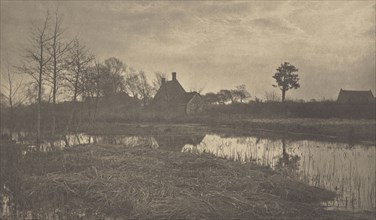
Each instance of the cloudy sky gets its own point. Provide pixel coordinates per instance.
(214, 45)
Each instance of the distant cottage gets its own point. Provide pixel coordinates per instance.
(355, 97)
(171, 97)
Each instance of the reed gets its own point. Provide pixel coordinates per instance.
(143, 183)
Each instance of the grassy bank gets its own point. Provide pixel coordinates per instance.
(144, 183)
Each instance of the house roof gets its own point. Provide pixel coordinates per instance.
(355, 96)
(172, 86)
(170, 91)
(186, 97)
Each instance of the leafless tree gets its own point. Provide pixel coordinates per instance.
(241, 93)
(158, 80)
(271, 96)
(114, 71)
(78, 62)
(36, 61)
(131, 82)
(212, 98)
(226, 95)
(93, 87)
(58, 51)
(196, 89)
(14, 95)
(144, 88)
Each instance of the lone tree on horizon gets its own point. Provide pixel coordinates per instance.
(286, 78)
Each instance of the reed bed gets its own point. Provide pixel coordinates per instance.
(144, 183)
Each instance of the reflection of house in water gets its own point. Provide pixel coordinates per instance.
(177, 142)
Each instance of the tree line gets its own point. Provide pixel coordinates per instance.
(62, 68)
(238, 95)
(58, 66)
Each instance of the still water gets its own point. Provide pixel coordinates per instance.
(348, 170)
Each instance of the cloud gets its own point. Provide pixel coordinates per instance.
(221, 43)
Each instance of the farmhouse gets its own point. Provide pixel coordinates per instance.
(171, 97)
(355, 97)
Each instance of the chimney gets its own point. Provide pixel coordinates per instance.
(163, 80)
(174, 76)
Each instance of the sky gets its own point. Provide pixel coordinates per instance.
(214, 45)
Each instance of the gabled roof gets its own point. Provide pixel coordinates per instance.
(355, 96)
(172, 94)
(169, 91)
(172, 86)
(186, 97)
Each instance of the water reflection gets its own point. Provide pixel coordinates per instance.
(348, 170)
(82, 139)
(176, 142)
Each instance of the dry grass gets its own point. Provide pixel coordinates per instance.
(143, 183)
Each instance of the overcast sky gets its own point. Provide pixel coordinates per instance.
(214, 45)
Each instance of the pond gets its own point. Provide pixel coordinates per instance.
(348, 170)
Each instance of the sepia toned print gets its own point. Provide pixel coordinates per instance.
(187, 110)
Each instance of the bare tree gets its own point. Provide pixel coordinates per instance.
(14, 95)
(37, 59)
(196, 89)
(114, 70)
(159, 76)
(211, 98)
(131, 83)
(241, 93)
(271, 96)
(3, 101)
(226, 95)
(58, 50)
(78, 62)
(93, 87)
(144, 88)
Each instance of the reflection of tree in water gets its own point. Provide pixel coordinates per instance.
(287, 160)
(177, 142)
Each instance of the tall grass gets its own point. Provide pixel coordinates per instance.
(142, 183)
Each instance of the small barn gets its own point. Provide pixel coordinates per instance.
(355, 97)
(171, 97)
